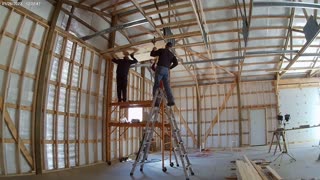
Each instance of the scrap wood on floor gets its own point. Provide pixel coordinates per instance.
(248, 170)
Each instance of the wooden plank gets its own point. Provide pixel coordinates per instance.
(87, 111)
(220, 110)
(241, 166)
(108, 93)
(130, 104)
(274, 173)
(79, 93)
(256, 167)
(96, 113)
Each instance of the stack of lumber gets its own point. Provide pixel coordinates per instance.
(248, 170)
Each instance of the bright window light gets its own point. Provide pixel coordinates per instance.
(135, 113)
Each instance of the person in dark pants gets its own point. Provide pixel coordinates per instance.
(122, 75)
(167, 61)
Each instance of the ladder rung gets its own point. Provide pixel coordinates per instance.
(183, 155)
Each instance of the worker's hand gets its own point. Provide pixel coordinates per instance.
(154, 49)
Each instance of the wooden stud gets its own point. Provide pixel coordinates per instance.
(42, 86)
(108, 92)
(67, 106)
(97, 107)
(88, 120)
(79, 93)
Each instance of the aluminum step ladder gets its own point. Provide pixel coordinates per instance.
(148, 134)
(178, 144)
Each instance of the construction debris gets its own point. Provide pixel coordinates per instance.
(248, 170)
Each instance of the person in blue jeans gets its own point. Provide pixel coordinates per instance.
(166, 61)
(122, 75)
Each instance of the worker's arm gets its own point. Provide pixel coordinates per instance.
(134, 59)
(174, 62)
(115, 60)
(155, 52)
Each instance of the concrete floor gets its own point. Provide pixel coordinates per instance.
(213, 165)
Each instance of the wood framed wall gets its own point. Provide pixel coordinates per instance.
(219, 112)
(72, 126)
(21, 47)
(73, 131)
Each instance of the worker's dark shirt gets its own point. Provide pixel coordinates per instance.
(124, 65)
(166, 58)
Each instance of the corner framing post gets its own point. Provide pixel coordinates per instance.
(42, 87)
(108, 92)
(199, 125)
(239, 109)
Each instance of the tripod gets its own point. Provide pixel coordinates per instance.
(281, 133)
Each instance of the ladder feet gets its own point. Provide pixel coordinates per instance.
(164, 169)
(171, 164)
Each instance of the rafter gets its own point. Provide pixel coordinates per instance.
(85, 7)
(136, 3)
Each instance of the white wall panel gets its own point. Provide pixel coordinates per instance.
(303, 105)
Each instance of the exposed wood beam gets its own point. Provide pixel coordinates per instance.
(187, 5)
(88, 8)
(82, 21)
(98, 3)
(114, 5)
(42, 86)
(289, 35)
(70, 19)
(108, 91)
(115, 28)
(301, 51)
(132, 10)
(286, 4)
(136, 3)
(305, 12)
